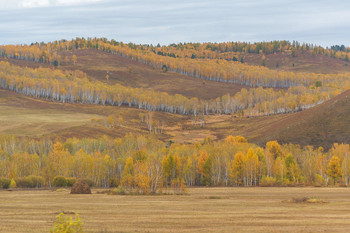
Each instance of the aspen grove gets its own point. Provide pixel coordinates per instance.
(76, 87)
(148, 165)
(283, 91)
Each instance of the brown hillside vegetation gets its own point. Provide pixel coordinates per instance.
(302, 63)
(304, 89)
(322, 125)
(319, 126)
(97, 64)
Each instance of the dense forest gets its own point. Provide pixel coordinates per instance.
(148, 165)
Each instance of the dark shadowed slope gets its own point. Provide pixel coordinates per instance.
(322, 125)
(319, 126)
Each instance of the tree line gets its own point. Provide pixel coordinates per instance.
(292, 91)
(207, 67)
(147, 165)
(49, 52)
(76, 87)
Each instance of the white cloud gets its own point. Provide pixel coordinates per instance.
(18, 4)
(170, 21)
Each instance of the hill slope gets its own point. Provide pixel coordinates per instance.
(319, 126)
(322, 125)
(21, 115)
(97, 64)
(304, 62)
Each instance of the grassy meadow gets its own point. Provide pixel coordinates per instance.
(201, 210)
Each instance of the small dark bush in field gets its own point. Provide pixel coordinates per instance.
(5, 183)
(118, 191)
(88, 181)
(59, 181)
(80, 187)
(305, 200)
(71, 181)
(30, 182)
(113, 182)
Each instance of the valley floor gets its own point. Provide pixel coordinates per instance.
(201, 210)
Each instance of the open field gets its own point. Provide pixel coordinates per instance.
(202, 210)
(25, 116)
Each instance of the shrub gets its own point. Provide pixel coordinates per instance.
(118, 191)
(61, 190)
(312, 200)
(67, 224)
(113, 182)
(24, 182)
(13, 184)
(88, 181)
(267, 181)
(59, 181)
(178, 186)
(37, 181)
(30, 182)
(71, 181)
(80, 187)
(319, 181)
(5, 183)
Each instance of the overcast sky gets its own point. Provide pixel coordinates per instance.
(171, 21)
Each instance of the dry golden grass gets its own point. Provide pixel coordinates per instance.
(319, 126)
(25, 116)
(26, 122)
(202, 210)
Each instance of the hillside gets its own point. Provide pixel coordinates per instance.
(304, 62)
(25, 116)
(319, 126)
(97, 64)
(322, 125)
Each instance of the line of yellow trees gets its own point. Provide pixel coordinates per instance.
(300, 90)
(75, 87)
(49, 52)
(146, 165)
